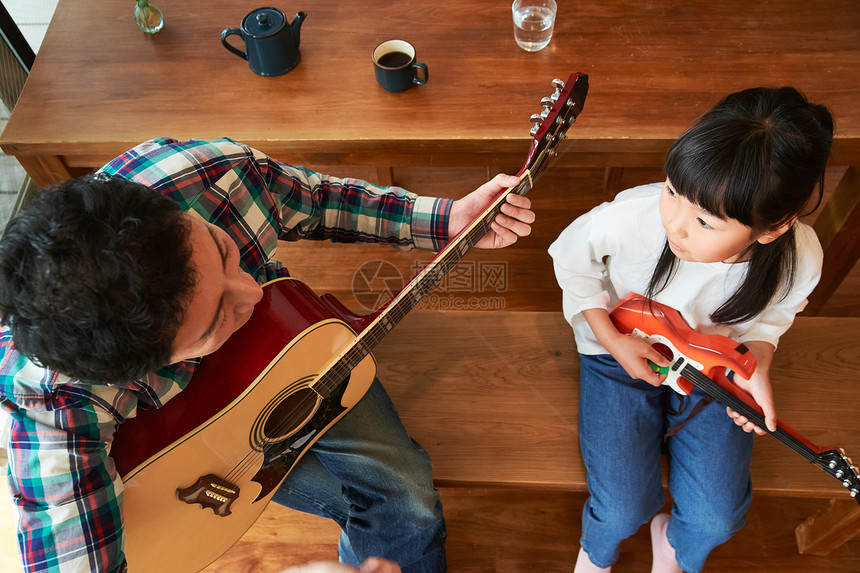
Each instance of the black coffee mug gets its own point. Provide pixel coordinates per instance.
(396, 68)
(272, 43)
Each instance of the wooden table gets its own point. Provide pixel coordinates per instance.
(100, 86)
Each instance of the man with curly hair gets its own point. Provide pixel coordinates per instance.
(114, 285)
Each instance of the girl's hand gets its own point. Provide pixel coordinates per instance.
(513, 222)
(758, 386)
(633, 354)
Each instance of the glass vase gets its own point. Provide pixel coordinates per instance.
(148, 17)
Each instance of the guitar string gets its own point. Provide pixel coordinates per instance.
(426, 280)
(336, 374)
(850, 478)
(329, 380)
(728, 399)
(341, 369)
(249, 460)
(571, 111)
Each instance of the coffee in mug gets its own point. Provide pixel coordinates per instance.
(396, 68)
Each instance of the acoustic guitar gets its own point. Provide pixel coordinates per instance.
(199, 471)
(703, 360)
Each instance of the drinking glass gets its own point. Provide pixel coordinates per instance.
(533, 23)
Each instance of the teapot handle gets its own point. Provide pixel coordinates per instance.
(228, 32)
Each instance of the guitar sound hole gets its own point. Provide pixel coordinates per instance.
(664, 350)
(291, 414)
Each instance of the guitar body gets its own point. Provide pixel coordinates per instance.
(703, 360)
(666, 330)
(252, 394)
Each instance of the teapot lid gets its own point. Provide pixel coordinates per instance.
(263, 22)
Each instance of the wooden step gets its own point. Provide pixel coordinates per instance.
(517, 530)
(493, 397)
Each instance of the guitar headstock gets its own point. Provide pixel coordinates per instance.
(837, 464)
(560, 112)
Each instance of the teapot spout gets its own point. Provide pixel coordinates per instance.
(296, 26)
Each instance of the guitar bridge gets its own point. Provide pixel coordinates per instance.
(212, 492)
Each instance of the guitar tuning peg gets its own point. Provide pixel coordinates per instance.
(537, 119)
(549, 101)
(558, 84)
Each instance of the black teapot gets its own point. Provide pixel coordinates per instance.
(271, 42)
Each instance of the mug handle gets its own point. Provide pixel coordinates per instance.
(417, 79)
(228, 32)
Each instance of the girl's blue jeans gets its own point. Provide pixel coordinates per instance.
(621, 427)
(369, 476)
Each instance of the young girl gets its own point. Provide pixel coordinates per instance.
(720, 242)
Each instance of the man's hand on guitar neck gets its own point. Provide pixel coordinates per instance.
(514, 221)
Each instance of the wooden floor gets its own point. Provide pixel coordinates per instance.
(501, 530)
(520, 531)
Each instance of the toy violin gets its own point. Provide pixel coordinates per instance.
(703, 360)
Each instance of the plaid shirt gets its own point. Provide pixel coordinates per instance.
(66, 490)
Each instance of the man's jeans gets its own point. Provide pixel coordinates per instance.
(621, 427)
(369, 476)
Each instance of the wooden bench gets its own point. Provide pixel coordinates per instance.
(493, 396)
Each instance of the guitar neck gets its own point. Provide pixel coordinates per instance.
(726, 398)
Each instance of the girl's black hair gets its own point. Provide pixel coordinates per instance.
(758, 157)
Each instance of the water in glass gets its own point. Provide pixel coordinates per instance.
(533, 27)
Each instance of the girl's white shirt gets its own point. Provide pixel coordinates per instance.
(612, 250)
